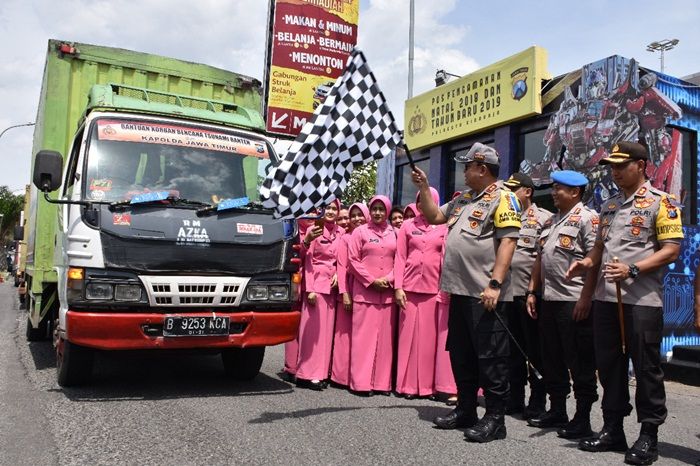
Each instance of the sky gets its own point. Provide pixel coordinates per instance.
(458, 36)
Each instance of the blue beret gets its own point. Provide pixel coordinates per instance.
(569, 178)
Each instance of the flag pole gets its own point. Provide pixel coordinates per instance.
(410, 159)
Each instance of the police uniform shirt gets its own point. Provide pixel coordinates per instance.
(532, 219)
(631, 230)
(476, 222)
(565, 239)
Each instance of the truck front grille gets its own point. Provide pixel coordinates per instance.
(172, 291)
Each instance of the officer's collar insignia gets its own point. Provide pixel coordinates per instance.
(641, 192)
(616, 148)
(530, 212)
(643, 203)
(574, 218)
(612, 206)
(467, 195)
(491, 188)
(577, 211)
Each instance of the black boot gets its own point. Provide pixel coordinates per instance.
(610, 438)
(490, 427)
(535, 405)
(555, 417)
(458, 417)
(644, 450)
(580, 426)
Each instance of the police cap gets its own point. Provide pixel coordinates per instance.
(569, 178)
(519, 180)
(479, 153)
(625, 151)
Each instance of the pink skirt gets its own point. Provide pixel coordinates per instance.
(342, 337)
(316, 337)
(371, 353)
(415, 368)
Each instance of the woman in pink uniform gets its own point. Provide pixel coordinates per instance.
(419, 247)
(371, 260)
(340, 369)
(291, 348)
(320, 246)
(343, 219)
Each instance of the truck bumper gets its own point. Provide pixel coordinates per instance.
(135, 331)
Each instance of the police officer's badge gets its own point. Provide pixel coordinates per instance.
(519, 83)
(565, 241)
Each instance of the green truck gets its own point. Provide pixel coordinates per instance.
(144, 229)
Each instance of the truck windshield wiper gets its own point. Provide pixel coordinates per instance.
(159, 198)
(237, 205)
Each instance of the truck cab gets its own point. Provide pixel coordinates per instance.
(160, 239)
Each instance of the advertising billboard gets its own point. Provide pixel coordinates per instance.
(505, 91)
(308, 46)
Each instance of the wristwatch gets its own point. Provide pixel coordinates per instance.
(494, 284)
(530, 292)
(633, 271)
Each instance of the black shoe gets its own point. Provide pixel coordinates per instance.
(550, 418)
(608, 439)
(409, 396)
(287, 377)
(456, 418)
(311, 385)
(490, 427)
(576, 429)
(644, 451)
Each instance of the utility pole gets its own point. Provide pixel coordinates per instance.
(411, 31)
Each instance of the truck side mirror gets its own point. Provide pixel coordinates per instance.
(19, 233)
(48, 168)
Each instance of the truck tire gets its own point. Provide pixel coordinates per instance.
(73, 363)
(40, 333)
(243, 363)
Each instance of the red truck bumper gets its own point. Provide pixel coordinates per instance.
(128, 331)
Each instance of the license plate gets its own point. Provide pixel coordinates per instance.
(180, 326)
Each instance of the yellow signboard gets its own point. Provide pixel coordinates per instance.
(505, 91)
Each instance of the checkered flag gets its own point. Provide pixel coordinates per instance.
(353, 127)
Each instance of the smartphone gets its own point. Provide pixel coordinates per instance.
(319, 222)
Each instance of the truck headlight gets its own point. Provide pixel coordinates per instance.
(256, 293)
(278, 292)
(127, 292)
(99, 291)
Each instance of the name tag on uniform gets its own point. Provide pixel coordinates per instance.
(417, 233)
(374, 240)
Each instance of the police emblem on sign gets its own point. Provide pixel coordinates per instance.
(519, 83)
(417, 123)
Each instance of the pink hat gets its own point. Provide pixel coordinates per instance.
(385, 200)
(363, 208)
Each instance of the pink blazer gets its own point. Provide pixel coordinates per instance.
(419, 250)
(320, 260)
(371, 253)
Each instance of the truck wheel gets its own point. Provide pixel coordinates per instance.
(243, 363)
(73, 363)
(41, 332)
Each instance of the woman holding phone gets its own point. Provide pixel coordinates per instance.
(320, 251)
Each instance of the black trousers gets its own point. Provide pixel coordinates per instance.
(567, 347)
(478, 347)
(643, 327)
(526, 332)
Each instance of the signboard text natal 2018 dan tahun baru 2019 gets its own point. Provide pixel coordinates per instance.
(499, 93)
(307, 51)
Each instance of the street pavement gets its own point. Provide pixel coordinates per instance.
(179, 409)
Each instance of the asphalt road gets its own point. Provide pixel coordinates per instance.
(179, 409)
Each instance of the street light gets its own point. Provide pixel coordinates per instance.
(442, 76)
(15, 126)
(662, 46)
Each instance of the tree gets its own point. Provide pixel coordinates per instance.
(362, 184)
(11, 206)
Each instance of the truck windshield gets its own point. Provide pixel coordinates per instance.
(130, 157)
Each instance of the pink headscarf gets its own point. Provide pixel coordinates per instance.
(363, 208)
(436, 197)
(412, 207)
(385, 200)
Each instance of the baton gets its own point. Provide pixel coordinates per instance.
(620, 312)
(527, 360)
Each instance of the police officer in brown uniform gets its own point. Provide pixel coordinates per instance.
(566, 329)
(484, 222)
(640, 233)
(522, 326)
